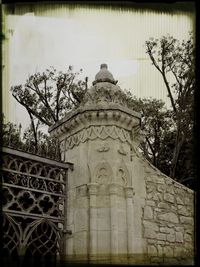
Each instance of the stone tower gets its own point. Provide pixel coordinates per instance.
(112, 215)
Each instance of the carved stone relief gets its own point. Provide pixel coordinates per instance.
(103, 174)
(101, 132)
(122, 175)
(122, 151)
(103, 147)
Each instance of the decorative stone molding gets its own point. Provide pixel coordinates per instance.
(104, 148)
(122, 174)
(101, 132)
(95, 115)
(122, 151)
(103, 173)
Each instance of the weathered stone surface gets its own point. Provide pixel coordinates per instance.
(169, 197)
(171, 261)
(150, 187)
(179, 237)
(178, 251)
(152, 250)
(98, 138)
(163, 205)
(161, 236)
(170, 225)
(186, 220)
(156, 259)
(179, 228)
(182, 210)
(187, 237)
(161, 188)
(179, 200)
(148, 213)
(167, 230)
(171, 238)
(151, 203)
(169, 217)
(150, 229)
(170, 189)
(188, 200)
(157, 197)
(168, 251)
(160, 249)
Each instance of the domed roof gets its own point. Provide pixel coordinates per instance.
(104, 75)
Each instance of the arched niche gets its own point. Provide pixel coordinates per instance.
(103, 173)
(122, 174)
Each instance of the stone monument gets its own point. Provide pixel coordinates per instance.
(120, 209)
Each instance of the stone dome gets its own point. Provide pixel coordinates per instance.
(104, 75)
(105, 91)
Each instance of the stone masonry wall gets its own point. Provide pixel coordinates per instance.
(168, 221)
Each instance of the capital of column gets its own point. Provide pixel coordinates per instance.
(129, 191)
(93, 188)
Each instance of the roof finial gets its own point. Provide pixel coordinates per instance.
(104, 75)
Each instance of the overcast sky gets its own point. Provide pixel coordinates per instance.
(86, 37)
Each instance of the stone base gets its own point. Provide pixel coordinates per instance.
(123, 259)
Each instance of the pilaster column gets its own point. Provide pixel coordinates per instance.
(93, 189)
(129, 193)
(114, 218)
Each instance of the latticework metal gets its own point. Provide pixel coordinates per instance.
(34, 195)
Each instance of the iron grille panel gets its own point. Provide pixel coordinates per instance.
(34, 195)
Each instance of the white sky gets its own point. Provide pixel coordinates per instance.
(85, 38)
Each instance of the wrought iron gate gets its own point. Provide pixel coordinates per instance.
(34, 205)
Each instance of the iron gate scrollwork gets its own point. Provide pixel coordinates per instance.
(34, 196)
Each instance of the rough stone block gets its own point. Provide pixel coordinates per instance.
(169, 181)
(157, 197)
(156, 259)
(168, 251)
(178, 251)
(151, 225)
(163, 205)
(179, 200)
(188, 201)
(171, 261)
(150, 233)
(150, 229)
(179, 237)
(171, 238)
(186, 220)
(161, 188)
(162, 229)
(169, 197)
(160, 250)
(152, 250)
(170, 225)
(170, 189)
(151, 203)
(161, 236)
(150, 187)
(182, 210)
(179, 228)
(187, 237)
(169, 217)
(148, 213)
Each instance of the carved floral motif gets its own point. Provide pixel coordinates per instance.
(103, 173)
(103, 148)
(101, 132)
